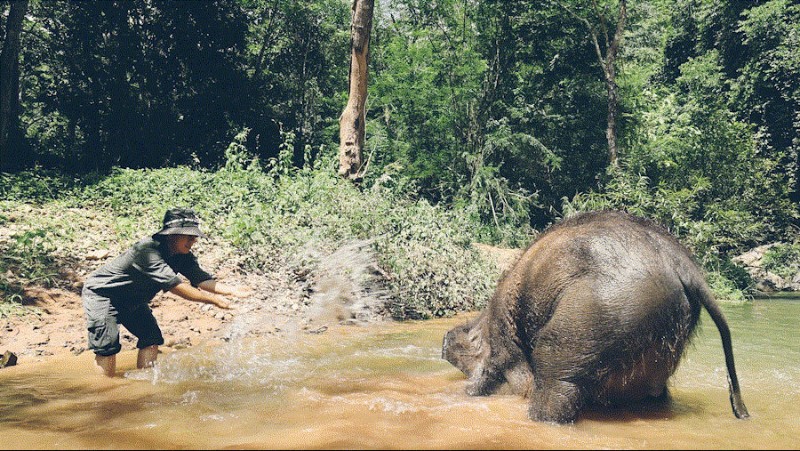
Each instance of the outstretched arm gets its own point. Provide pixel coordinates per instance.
(191, 293)
(215, 286)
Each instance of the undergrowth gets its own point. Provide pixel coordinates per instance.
(271, 212)
(783, 259)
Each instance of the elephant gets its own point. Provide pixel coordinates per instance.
(596, 312)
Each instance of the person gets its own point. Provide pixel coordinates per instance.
(118, 293)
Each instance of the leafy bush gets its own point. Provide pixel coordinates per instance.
(26, 259)
(699, 171)
(35, 185)
(281, 217)
(783, 260)
(725, 288)
(433, 269)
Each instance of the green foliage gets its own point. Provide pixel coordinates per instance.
(493, 112)
(766, 91)
(237, 156)
(35, 185)
(26, 258)
(170, 80)
(9, 306)
(425, 249)
(281, 216)
(138, 198)
(725, 288)
(451, 110)
(424, 96)
(502, 211)
(433, 269)
(545, 85)
(164, 81)
(699, 171)
(783, 259)
(297, 59)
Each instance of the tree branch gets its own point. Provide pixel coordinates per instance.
(592, 34)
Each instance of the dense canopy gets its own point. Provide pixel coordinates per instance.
(499, 108)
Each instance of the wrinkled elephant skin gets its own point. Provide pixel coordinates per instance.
(597, 311)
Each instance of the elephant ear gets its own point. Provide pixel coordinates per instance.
(478, 340)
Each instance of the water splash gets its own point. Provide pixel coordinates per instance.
(347, 286)
(244, 362)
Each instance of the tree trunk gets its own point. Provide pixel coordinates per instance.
(608, 64)
(611, 83)
(613, 111)
(9, 81)
(352, 122)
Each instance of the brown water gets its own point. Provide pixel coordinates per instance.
(382, 387)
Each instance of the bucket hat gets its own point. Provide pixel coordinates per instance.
(180, 221)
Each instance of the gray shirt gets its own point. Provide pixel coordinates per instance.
(135, 277)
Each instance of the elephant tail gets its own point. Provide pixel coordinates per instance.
(702, 292)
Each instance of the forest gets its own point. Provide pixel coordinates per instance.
(501, 117)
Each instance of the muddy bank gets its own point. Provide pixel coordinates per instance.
(342, 289)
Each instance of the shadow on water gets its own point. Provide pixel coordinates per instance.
(386, 387)
(656, 409)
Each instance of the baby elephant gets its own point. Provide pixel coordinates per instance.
(598, 310)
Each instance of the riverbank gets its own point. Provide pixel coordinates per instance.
(52, 322)
(768, 283)
(342, 291)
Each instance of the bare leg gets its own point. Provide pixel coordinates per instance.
(147, 357)
(107, 364)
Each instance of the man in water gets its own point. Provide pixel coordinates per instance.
(119, 292)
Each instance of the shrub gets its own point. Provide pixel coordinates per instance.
(278, 217)
(783, 260)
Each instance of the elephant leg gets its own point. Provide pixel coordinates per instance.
(560, 360)
(556, 401)
(520, 379)
(484, 381)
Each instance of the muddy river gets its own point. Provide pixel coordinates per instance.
(386, 386)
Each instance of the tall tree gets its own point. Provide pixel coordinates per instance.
(295, 53)
(545, 81)
(352, 127)
(9, 80)
(767, 87)
(607, 52)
